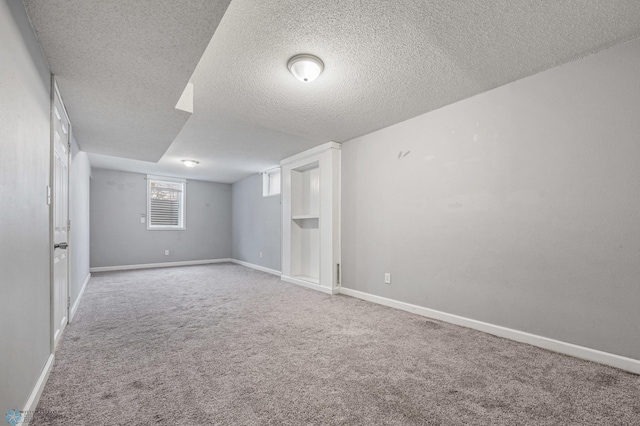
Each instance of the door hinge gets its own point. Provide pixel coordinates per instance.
(69, 301)
(68, 224)
(338, 277)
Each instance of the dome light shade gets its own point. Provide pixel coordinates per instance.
(305, 68)
(190, 163)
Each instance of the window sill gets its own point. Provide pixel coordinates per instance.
(167, 228)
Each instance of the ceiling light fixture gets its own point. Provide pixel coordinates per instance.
(190, 163)
(305, 68)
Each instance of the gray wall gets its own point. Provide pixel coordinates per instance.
(518, 207)
(118, 199)
(256, 224)
(24, 175)
(79, 184)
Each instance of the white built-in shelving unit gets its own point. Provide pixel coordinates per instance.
(311, 218)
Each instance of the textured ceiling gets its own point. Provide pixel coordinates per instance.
(122, 65)
(385, 62)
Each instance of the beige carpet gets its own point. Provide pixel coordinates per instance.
(223, 344)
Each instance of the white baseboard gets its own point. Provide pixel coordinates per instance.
(34, 398)
(157, 265)
(307, 284)
(76, 304)
(623, 363)
(257, 267)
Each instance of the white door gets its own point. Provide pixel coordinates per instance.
(60, 133)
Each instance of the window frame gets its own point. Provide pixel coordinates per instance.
(266, 182)
(182, 212)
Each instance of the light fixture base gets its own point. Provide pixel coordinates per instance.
(190, 163)
(305, 67)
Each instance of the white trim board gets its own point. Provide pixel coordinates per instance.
(623, 363)
(310, 152)
(312, 286)
(76, 304)
(34, 398)
(157, 265)
(257, 267)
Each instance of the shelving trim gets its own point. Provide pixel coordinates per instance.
(305, 216)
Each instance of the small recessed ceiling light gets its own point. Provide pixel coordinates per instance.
(190, 163)
(305, 68)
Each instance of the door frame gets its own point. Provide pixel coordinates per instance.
(55, 92)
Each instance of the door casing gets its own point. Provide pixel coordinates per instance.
(60, 296)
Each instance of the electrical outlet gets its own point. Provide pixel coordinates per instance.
(166, 252)
(387, 278)
(260, 255)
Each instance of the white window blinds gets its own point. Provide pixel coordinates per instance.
(166, 203)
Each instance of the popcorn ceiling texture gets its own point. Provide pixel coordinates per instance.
(223, 344)
(385, 62)
(122, 65)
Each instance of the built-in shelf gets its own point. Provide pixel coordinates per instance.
(305, 216)
(310, 190)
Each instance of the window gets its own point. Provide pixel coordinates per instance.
(271, 182)
(165, 203)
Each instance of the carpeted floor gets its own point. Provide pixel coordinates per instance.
(223, 344)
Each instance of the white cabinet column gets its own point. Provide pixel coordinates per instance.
(311, 218)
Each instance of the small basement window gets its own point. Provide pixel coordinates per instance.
(166, 203)
(271, 182)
